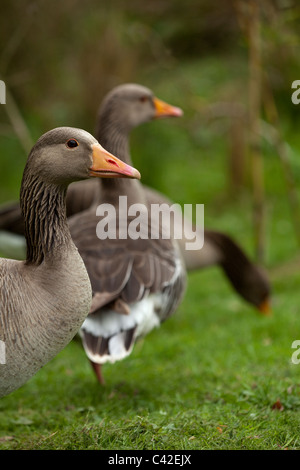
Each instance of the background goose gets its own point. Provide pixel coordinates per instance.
(136, 104)
(44, 300)
(136, 283)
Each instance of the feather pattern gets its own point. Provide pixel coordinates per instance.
(147, 276)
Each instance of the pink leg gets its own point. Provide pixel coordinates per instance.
(97, 369)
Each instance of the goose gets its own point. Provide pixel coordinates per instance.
(45, 299)
(137, 281)
(138, 105)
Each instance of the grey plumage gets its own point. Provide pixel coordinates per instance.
(124, 270)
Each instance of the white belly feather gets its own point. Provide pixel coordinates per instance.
(109, 324)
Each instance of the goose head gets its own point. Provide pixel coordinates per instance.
(67, 154)
(131, 104)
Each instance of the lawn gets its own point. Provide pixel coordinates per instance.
(217, 375)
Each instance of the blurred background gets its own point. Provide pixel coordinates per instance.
(230, 67)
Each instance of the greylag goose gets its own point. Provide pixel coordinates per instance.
(137, 281)
(45, 299)
(248, 280)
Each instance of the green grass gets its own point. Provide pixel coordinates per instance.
(209, 377)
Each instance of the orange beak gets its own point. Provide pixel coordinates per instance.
(265, 307)
(106, 165)
(163, 109)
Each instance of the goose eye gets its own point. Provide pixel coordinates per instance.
(143, 99)
(72, 143)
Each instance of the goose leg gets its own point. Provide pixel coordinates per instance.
(97, 369)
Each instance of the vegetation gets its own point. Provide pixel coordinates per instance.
(217, 375)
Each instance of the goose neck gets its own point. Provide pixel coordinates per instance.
(44, 212)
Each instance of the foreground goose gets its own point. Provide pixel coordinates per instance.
(44, 300)
(137, 281)
(136, 105)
